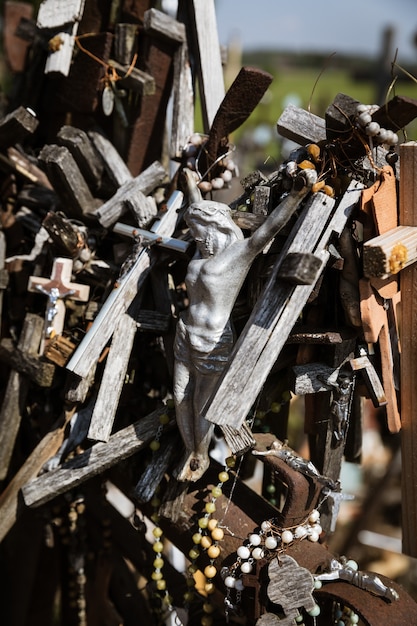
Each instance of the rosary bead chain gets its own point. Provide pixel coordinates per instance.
(206, 539)
(270, 539)
(155, 444)
(372, 129)
(161, 592)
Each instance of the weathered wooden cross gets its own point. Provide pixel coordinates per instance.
(115, 320)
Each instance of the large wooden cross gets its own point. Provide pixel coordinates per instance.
(276, 312)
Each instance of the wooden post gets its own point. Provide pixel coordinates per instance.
(204, 44)
(162, 36)
(408, 278)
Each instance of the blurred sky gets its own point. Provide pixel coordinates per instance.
(344, 26)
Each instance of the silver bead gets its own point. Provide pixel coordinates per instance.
(392, 139)
(204, 186)
(227, 176)
(291, 168)
(196, 139)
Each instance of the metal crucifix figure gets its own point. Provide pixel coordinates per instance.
(204, 337)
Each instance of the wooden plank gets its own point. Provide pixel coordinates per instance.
(241, 99)
(204, 42)
(396, 113)
(301, 126)
(11, 503)
(38, 371)
(79, 144)
(116, 167)
(125, 42)
(388, 254)
(275, 314)
(81, 91)
(148, 127)
(408, 282)
(4, 274)
(376, 329)
(260, 343)
(17, 126)
(93, 461)
(160, 24)
(309, 378)
(182, 125)
(132, 192)
(113, 379)
(126, 288)
(134, 79)
(68, 182)
(55, 13)
(16, 391)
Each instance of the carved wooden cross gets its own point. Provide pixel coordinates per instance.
(115, 320)
(57, 288)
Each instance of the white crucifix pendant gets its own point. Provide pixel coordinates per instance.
(57, 288)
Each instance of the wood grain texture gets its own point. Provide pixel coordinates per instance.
(93, 461)
(90, 348)
(408, 282)
(205, 42)
(67, 180)
(276, 312)
(182, 126)
(301, 126)
(388, 254)
(16, 391)
(11, 503)
(16, 126)
(113, 379)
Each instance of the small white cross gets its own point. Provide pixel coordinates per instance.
(57, 288)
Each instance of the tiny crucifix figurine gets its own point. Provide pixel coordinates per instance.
(204, 337)
(57, 288)
(341, 570)
(297, 463)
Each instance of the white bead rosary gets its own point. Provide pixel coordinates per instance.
(225, 165)
(381, 135)
(264, 544)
